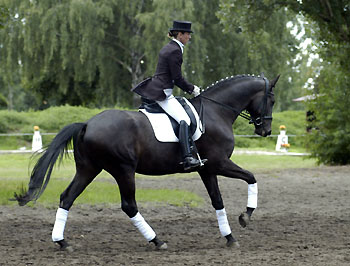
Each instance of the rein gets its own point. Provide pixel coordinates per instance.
(256, 121)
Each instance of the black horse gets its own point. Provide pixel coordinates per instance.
(123, 143)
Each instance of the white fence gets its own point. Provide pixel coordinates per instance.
(235, 152)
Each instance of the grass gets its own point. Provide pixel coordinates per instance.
(258, 163)
(15, 171)
(14, 175)
(97, 193)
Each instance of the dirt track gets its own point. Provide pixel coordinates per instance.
(303, 218)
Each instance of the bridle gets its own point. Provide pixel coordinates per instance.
(258, 121)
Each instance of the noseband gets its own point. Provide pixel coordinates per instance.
(256, 121)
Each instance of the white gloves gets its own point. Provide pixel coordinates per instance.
(196, 91)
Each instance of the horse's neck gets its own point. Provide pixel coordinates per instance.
(237, 95)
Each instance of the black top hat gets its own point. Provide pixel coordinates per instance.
(184, 26)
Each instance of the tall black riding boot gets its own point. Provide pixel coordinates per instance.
(189, 161)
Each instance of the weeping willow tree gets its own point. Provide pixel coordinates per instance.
(91, 52)
(76, 52)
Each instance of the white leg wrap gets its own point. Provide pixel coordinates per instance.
(143, 227)
(252, 195)
(60, 223)
(223, 222)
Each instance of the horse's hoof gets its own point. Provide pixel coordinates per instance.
(231, 241)
(162, 246)
(232, 244)
(244, 219)
(64, 245)
(69, 249)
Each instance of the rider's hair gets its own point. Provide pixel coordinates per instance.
(174, 33)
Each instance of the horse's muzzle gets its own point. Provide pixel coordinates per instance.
(262, 132)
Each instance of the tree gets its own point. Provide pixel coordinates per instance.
(92, 52)
(76, 52)
(4, 13)
(267, 43)
(330, 28)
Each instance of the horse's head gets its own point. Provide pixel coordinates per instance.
(260, 108)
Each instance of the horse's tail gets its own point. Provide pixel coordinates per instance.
(42, 170)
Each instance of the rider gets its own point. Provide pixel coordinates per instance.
(168, 74)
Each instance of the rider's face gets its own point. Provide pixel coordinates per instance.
(184, 37)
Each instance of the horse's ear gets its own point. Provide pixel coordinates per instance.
(274, 81)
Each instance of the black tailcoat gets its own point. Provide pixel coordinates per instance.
(167, 74)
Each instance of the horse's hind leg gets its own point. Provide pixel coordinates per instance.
(83, 177)
(126, 182)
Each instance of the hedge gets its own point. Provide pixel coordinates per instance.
(54, 119)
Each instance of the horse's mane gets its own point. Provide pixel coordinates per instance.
(221, 82)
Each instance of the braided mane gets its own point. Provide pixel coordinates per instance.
(219, 83)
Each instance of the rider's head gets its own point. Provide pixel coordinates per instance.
(181, 31)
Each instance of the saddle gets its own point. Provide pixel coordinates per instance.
(165, 127)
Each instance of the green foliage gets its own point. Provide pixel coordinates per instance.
(265, 44)
(54, 119)
(91, 53)
(50, 120)
(295, 125)
(4, 13)
(329, 27)
(329, 141)
(12, 121)
(3, 102)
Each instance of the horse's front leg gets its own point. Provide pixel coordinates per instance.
(229, 169)
(211, 183)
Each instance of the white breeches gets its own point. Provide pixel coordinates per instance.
(173, 108)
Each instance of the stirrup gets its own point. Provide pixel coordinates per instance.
(202, 161)
(188, 165)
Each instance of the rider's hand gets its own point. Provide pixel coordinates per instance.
(196, 91)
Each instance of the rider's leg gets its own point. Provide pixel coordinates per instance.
(189, 161)
(172, 107)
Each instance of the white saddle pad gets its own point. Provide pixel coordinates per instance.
(163, 129)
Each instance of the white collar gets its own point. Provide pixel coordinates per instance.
(180, 44)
